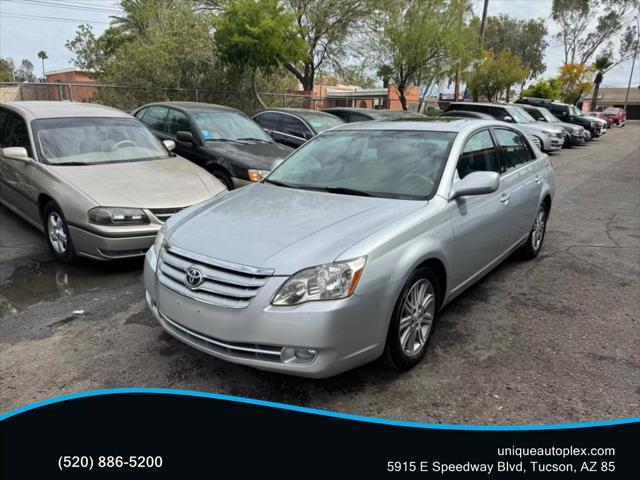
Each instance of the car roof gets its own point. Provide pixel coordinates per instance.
(487, 104)
(297, 111)
(435, 124)
(56, 109)
(191, 106)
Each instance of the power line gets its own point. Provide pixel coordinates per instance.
(81, 7)
(51, 19)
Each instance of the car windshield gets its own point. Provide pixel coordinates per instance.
(380, 163)
(520, 115)
(221, 125)
(610, 111)
(320, 122)
(86, 141)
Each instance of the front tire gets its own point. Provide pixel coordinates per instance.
(412, 320)
(532, 247)
(57, 233)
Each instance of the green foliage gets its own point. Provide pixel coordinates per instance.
(423, 42)
(25, 72)
(6, 69)
(355, 75)
(524, 38)
(257, 34)
(496, 74)
(91, 53)
(544, 89)
(575, 80)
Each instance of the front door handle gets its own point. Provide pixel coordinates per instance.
(537, 179)
(504, 198)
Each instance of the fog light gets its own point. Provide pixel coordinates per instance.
(298, 355)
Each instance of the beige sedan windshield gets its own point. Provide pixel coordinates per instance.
(94, 140)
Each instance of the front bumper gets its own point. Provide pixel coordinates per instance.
(102, 246)
(343, 333)
(550, 144)
(577, 139)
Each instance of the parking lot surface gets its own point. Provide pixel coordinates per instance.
(552, 340)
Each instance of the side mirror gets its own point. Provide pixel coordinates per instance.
(17, 153)
(507, 119)
(476, 183)
(186, 137)
(307, 135)
(170, 145)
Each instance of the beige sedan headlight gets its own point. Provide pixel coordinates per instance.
(118, 216)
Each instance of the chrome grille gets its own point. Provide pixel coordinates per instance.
(163, 214)
(224, 284)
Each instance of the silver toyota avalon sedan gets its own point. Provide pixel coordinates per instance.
(350, 248)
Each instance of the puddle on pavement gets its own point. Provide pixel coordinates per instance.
(46, 281)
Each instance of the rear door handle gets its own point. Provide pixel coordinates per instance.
(504, 198)
(537, 179)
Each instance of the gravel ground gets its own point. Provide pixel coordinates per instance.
(553, 340)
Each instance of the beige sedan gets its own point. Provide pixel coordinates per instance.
(92, 178)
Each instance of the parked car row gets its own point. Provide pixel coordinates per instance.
(342, 252)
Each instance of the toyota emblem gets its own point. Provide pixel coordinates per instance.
(194, 277)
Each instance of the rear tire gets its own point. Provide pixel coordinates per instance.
(57, 233)
(532, 247)
(412, 320)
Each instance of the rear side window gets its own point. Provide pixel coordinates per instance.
(479, 155)
(269, 120)
(515, 151)
(358, 117)
(155, 118)
(15, 133)
(177, 122)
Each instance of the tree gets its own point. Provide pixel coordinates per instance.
(575, 79)
(588, 25)
(355, 75)
(419, 41)
(496, 74)
(42, 55)
(602, 65)
(257, 35)
(524, 38)
(25, 72)
(91, 53)
(325, 26)
(543, 89)
(141, 14)
(385, 72)
(7, 68)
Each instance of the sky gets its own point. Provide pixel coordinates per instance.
(28, 26)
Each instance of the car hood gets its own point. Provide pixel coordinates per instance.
(565, 125)
(541, 126)
(263, 156)
(280, 228)
(171, 182)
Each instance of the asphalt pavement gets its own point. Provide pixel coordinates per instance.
(553, 340)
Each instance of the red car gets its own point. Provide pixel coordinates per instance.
(601, 115)
(618, 115)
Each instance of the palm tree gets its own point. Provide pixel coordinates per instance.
(42, 55)
(602, 65)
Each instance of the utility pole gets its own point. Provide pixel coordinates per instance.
(483, 23)
(633, 62)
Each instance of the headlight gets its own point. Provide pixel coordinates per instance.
(593, 124)
(552, 133)
(257, 175)
(577, 130)
(117, 216)
(324, 282)
(159, 243)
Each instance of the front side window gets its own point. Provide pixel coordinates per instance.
(519, 115)
(155, 117)
(294, 126)
(177, 122)
(479, 155)
(383, 163)
(15, 133)
(536, 114)
(269, 120)
(94, 140)
(515, 151)
(229, 125)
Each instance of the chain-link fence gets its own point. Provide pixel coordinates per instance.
(128, 98)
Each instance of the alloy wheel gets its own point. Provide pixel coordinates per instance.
(57, 234)
(539, 225)
(416, 318)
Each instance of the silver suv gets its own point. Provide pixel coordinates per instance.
(352, 246)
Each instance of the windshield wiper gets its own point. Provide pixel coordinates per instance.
(254, 139)
(279, 184)
(346, 191)
(64, 164)
(223, 140)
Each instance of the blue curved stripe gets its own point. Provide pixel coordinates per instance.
(314, 411)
